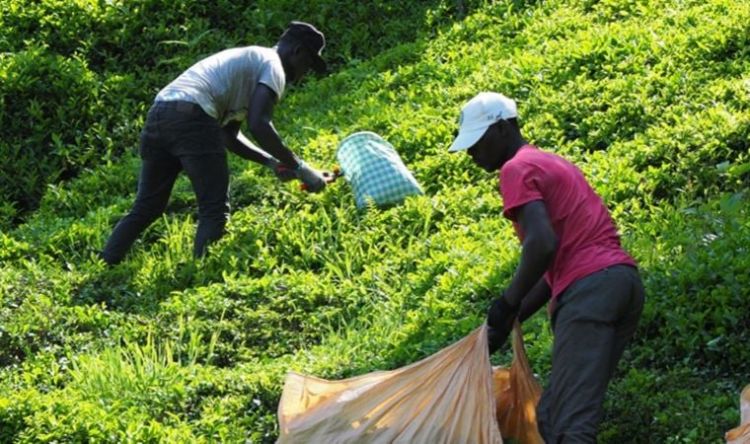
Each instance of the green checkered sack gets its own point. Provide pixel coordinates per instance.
(375, 171)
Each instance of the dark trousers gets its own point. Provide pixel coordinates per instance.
(178, 136)
(594, 320)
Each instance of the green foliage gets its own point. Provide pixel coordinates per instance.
(650, 98)
(52, 124)
(76, 75)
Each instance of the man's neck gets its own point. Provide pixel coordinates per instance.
(515, 146)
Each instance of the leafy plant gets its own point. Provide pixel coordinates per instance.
(649, 98)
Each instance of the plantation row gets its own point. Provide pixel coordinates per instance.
(650, 99)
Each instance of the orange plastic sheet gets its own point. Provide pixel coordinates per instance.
(517, 393)
(445, 398)
(741, 434)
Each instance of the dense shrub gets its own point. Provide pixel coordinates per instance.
(650, 98)
(55, 122)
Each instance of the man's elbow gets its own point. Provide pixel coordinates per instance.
(257, 126)
(543, 246)
(549, 247)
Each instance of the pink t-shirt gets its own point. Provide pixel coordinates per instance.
(586, 235)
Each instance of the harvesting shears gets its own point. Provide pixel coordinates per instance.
(329, 176)
(286, 174)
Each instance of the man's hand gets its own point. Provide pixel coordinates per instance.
(500, 318)
(313, 179)
(282, 172)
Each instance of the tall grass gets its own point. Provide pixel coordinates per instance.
(650, 98)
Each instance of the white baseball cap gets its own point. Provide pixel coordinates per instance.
(478, 114)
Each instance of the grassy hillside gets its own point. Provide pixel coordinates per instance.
(650, 98)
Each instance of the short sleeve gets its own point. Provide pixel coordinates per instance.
(519, 185)
(272, 75)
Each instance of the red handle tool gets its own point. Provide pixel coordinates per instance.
(330, 177)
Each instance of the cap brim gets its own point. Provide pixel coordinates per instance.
(466, 139)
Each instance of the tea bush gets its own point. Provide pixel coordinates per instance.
(650, 98)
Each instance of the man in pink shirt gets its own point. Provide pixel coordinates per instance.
(571, 256)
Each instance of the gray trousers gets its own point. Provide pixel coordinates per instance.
(594, 320)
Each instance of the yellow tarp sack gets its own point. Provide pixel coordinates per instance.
(445, 398)
(517, 393)
(741, 434)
